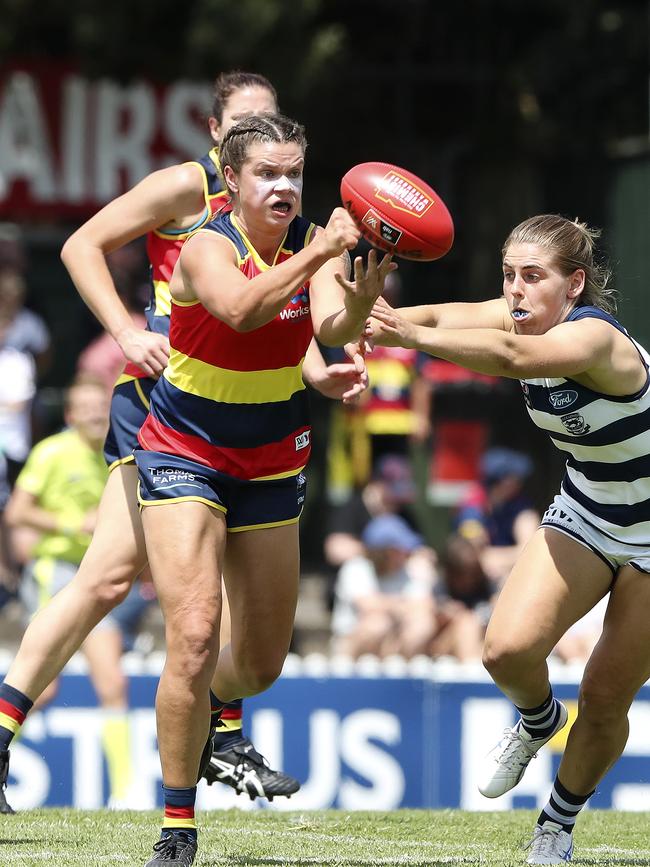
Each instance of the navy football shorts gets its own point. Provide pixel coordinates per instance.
(129, 409)
(247, 505)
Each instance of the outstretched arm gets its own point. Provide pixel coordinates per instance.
(581, 348)
(458, 314)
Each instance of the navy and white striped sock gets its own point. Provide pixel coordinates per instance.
(539, 722)
(562, 807)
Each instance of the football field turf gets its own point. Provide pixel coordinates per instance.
(72, 838)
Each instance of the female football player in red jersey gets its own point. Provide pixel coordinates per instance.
(227, 439)
(167, 206)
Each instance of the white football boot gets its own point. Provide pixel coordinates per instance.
(505, 764)
(550, 845)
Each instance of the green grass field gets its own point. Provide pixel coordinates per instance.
(71, 838)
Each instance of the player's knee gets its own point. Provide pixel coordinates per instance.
(261, 675)
(192, 644)
(107, 587)
(110, 593)
(602, 704)
(504, 660)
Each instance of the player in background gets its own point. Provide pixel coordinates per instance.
(166, 206)
(56, 497)
(227, 438)
(585, 382)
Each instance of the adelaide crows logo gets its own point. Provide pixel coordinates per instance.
(302, 296)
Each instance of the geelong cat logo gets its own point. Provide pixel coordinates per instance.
(575, 424)
(562, 399)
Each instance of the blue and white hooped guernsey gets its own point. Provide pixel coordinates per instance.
(607, 440)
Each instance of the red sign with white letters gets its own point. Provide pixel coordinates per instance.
(69, 144)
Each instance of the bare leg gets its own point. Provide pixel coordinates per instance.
(186, 542)
(103, 652)
(617, 669)
(553, 584)
(261, 574)
(115, 556)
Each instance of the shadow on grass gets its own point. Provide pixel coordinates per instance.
(621, 861)
(243, 861)
(18, 842)
(352, 862)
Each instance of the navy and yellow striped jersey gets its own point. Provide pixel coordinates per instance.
(236, 401)
(607, 442)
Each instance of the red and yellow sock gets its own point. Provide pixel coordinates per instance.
(230, 725)
(179, 811)
(14, 707)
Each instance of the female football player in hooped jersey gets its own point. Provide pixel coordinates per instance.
(167, 205)
(586, 383)
(227, 438)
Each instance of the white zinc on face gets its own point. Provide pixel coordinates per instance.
(271, 177)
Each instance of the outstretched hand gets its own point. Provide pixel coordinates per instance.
(387, 328)
(368, 283)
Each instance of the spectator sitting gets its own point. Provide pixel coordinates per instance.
(391, 490)
(17, 390)
(23, 330)
(497, 516)
(382, 604)
(463, 596)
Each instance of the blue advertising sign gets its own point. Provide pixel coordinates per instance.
(356, 743)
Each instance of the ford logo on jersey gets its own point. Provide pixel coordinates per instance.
(562, 399)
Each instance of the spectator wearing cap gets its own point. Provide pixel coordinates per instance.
(390, 491)
(384, 604)
(464, 597)
(497, 515)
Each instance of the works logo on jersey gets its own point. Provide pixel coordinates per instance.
(298, 307)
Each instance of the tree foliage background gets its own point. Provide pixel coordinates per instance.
(507, 108)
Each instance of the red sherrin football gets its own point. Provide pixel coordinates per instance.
(397, 212)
